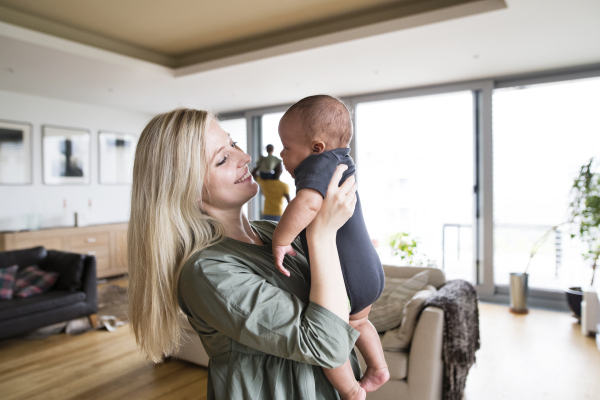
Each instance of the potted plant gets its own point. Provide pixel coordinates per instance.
(519, 286)
(405, 247)
(584, 211)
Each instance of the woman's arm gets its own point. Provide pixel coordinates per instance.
(327, 282)
(230, 297)
(227, 296)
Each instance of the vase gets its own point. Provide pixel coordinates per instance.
(518, 293)
(574, 298)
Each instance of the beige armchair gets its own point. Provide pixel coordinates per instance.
(414, 375)
(418, 373)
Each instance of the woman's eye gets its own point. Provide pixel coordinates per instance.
(222, 161)
(234, 144)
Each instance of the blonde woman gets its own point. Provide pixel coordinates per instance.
(192, 249)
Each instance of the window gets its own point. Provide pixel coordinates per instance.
(415, 168)
(543, 134)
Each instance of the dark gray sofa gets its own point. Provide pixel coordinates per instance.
(73, 295)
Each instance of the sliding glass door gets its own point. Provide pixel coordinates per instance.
(415, 162)
(543, 135)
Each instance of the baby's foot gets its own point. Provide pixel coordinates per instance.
(356, 393)
(374, 377)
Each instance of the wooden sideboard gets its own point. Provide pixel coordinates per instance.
(107, 242)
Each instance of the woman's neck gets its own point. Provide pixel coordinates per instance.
(236, 225)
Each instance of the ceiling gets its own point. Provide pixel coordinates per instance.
(448, 42)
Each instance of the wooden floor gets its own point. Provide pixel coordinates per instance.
(542, 355)
(95, 365)
(538, 356)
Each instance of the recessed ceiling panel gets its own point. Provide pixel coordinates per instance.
(175, 27)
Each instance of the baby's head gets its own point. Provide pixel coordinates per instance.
(311, 126)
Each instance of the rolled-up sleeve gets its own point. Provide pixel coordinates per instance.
(239, 303)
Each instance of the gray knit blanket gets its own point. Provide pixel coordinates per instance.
(458, 300)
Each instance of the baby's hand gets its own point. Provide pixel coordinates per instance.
(278, 253)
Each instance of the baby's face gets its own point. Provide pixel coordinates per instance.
(296, 147)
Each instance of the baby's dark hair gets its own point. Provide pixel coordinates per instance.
(324, 117)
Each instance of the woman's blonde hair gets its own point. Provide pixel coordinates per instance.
(167, 224)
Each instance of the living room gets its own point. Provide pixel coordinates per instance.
(485, 111)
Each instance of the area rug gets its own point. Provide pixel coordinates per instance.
(112, 313)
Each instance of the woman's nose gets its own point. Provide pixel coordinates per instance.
(245, 158)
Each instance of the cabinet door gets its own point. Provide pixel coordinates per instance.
(50, 243)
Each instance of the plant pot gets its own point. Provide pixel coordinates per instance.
(518, 293)
(574, 298)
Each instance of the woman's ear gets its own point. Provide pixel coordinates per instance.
(318, 147)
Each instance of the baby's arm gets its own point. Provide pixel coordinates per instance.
(297, 216)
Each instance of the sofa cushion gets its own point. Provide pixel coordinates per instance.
(386, 312)
(397, 364)
(69, 266)
(50, 300)
(8, 277)
(34, 281)
(23, 258)
(399, 339)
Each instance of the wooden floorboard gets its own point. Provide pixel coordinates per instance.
(542, 355)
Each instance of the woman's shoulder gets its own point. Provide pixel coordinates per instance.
(229, 249)
(264, 227)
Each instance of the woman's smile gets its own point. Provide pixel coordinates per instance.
(247, 176)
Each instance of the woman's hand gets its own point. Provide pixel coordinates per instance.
(338, 205)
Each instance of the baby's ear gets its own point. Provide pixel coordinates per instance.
(318, 147)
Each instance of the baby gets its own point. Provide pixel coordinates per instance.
(315, 133)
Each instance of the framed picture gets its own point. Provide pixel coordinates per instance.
(66, 155)
(116, 154)
(15, 153)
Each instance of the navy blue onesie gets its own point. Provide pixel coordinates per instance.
(363, 273)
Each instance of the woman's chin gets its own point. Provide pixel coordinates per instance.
(253, 189)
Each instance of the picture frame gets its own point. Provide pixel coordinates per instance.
(15, 153)
(66, 156)
(116, 152)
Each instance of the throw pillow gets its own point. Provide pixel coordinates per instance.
(34, 280)
(69, 266)
(386, 312)
(399, 339)
(7, 281)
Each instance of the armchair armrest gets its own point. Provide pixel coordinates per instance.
(89, 284)
(425, 365)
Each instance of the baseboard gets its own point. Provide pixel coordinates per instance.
(532, 302)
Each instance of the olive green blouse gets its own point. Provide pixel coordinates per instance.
(264, 338)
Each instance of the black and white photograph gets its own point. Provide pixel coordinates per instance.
(15, 153)
(66, 155)
(116, 152)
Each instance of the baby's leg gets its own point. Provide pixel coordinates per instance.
(370, 347)
(342, 379)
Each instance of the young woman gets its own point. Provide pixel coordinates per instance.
(192, 249)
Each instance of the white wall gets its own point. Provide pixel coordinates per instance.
(110, 203)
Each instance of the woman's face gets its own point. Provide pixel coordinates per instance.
(228, 184)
